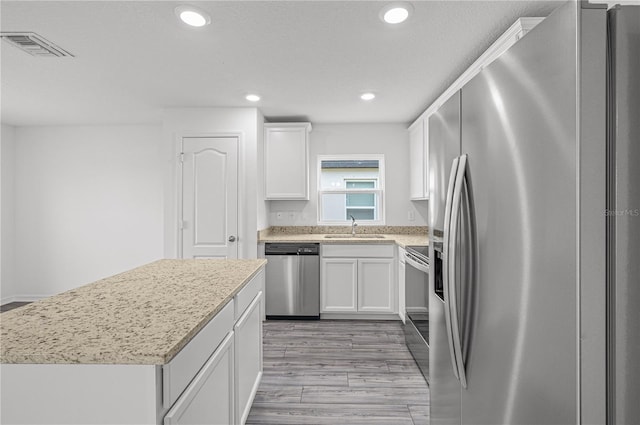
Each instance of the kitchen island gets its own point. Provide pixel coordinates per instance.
(144, 346)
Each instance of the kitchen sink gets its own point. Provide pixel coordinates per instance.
(345, 236)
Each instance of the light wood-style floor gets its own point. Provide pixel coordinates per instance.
(339, 372)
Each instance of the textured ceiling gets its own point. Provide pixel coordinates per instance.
(307, 59)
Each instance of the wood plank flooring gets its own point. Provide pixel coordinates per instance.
(339, 372)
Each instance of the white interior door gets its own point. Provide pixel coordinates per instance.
(210, 197)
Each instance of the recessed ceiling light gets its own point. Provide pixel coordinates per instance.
(396, 13)
(252, 97)
(367, 96)
(193, 16)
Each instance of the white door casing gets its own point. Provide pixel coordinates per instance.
(209, 216)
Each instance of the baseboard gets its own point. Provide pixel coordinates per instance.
(417, 310)
(360, 316)
(22, 299)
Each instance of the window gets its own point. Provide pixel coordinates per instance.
(361, 206)
(350, 186)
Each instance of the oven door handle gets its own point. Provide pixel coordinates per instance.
(413, 263)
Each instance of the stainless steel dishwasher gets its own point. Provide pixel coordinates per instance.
(292, 281)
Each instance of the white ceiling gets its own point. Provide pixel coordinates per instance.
(308, 60)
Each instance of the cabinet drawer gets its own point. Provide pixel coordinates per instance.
(358, 251)
(248, 293)
(177, 374)
(209, 397)
(248, 357)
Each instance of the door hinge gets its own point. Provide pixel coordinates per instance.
(181, 157)
(182, 224)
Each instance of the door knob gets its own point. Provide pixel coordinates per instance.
(232, 238)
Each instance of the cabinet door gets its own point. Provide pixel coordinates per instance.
(286, 161)
(376, 285)
(209, 398)
(339, 282)
(248, 357)
(418, 188)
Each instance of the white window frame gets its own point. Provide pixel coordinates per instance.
(379, 190)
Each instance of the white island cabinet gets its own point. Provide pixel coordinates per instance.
(199, 360)
(215, 381)
(248, 357)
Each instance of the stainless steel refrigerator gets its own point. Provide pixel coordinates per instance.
(539, 289)
(623, 217)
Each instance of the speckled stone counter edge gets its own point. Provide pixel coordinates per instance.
(399, 235)
(178, 347)
(382, 230)
(23, 347)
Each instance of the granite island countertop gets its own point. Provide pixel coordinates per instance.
(142, 316)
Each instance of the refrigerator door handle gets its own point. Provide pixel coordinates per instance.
(452, 278)
(445, 261)
(470, 264)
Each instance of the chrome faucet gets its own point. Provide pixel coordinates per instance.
(353, 225)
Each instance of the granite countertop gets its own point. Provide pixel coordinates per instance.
(401, 236)
(143, 316)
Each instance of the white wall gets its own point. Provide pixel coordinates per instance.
(80, 203)
(245, 122)
(392, 140)
(7, 214)
(88, 204)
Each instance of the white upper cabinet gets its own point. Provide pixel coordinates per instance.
(419, 160)
(286, 156)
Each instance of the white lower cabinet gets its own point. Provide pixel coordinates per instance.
(209, 398)
(248, 357)
(339, 284)
(376, 285)
(363, 282)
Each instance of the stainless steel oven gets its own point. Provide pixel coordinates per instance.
(416, 328)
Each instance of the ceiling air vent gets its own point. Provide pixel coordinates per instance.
(34, 44)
